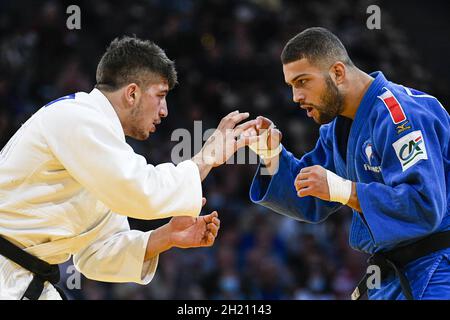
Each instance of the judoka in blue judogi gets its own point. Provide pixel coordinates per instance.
(383, 150)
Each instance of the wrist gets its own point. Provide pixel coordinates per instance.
(354, 202)
(265, 153)
(198, 159)
(339, 188)
(204, 167)
(261, 146)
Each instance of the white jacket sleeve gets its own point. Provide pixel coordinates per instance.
(95, 154)
(117, 255)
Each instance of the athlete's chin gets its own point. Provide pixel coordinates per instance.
(323, 119)
(145, 136)
(141, 136)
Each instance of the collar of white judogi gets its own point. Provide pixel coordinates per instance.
(102, 104)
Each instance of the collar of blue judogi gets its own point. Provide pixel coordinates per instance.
(361, 117)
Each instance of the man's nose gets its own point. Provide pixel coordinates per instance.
(164, 111)
(298, 96)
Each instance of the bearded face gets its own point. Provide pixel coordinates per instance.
(330, 105)
(314, 90)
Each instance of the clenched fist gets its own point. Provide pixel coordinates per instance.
(189, 232)
(312, 181)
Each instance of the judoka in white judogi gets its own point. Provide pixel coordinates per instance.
(68, 181)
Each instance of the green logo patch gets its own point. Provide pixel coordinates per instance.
(410, 149)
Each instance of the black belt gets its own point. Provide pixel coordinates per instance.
(393, 262)
(42, 271)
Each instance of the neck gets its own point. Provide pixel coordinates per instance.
(358, 83)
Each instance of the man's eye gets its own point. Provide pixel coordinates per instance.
(300, 82)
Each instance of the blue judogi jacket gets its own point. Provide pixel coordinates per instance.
(398, 155)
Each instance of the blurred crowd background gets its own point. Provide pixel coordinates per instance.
(227, 55)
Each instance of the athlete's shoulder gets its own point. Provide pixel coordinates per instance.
(400, 103)
(70, 107)
(408, 122)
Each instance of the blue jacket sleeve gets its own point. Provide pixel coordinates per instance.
(412, 202)
(278, 192)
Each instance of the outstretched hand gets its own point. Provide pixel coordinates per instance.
(262, 124)
(227, 139)
(189, 232)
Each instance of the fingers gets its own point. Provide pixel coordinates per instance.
(212, 228)
(300, 184)
(249, 132)
(233, 118)
(216, 222)
(209, 218)
(203, 202)
(304, 192)
(233, 113)
(274, 138)
(302, 176)
(263, 122)
(305, 170)
(245, 141)
(301, 181)
(237, 119)
(213, 218)
(246, 126)
(226, 118)
(304, 181)
(209, 240)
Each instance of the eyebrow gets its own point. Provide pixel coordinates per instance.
(297, 77)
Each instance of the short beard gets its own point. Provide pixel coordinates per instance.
(332, 102)
(135, 118)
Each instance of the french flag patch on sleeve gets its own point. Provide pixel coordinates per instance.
(393, 106)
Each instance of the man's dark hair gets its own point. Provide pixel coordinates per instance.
(129, 59)
(318, 45)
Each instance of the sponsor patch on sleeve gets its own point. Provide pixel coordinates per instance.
(410, 149)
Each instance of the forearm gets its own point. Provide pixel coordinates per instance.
(158, 242)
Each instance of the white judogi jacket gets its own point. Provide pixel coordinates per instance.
(68, 181)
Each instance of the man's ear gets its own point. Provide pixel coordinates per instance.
(338, 72)
(132, 94)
